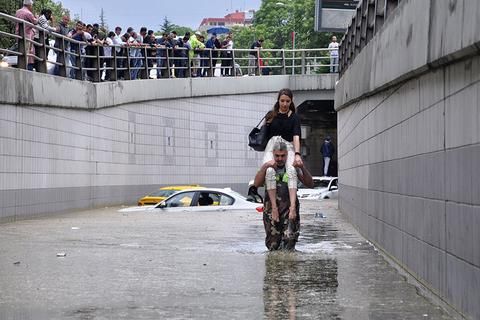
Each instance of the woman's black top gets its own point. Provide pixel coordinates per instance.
(285, 126)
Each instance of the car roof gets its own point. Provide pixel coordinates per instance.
(182, 187)
(204, 189)
(325, 178)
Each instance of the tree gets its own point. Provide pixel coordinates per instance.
(103, 21)
(11, 6)
(181, 30)
(167, 26)
(57, 9)
(279, 21)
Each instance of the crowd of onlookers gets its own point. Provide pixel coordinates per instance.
(168, 55)
(144, 47)
(137, 55)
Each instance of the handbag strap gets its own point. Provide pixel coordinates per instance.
(260, 121)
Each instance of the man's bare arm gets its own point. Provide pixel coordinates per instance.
(305, 176)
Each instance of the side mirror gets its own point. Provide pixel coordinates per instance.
(162, 205)
(333, 188)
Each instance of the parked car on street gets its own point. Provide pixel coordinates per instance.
(163, 193)
(323, 188)
(201, 199)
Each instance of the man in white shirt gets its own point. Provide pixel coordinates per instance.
(118, 43)
(333, 46)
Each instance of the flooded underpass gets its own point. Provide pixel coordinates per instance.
(102, 264)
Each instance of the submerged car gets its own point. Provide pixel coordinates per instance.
(323, 188)
(163, 193)
(201, 199)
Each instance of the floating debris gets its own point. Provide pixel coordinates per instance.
(61, 254)
(319, 215)
(17, 263)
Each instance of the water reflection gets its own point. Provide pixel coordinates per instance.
(297, 286)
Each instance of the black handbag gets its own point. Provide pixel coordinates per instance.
(258, 137)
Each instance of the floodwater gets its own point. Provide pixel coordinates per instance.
(197, 266)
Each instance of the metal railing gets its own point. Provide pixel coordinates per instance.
(366, 22)
(63, 56)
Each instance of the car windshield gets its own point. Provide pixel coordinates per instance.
(320, 184)
(162, 193)
(317, 184)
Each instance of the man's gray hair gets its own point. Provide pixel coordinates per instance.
(280, 146)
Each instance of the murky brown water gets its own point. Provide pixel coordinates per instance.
(192, 266)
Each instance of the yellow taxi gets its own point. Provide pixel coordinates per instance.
(163, 193)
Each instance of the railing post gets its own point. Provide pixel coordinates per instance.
(189, 62)
(303, 62)
(234, 74)
(62, 69)
(114, 71)
(79, 72)
(97, 75)
(22, 47)
(42, 52)
(284, 67)
(210, 63)
(129, 73)
(169, 75)
(258, 72)
(146, 70)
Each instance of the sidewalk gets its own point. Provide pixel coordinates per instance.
(187, 266)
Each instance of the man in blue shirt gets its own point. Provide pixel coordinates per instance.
(327, 151)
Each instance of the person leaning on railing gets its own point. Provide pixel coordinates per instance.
(107, 51)
(118, 43)
(26, 13)
(180, 52)
(227, 55)
(135, 45)
(44, 22)
(77, 35)
(161, 54)
(197, 46)
(64, 30)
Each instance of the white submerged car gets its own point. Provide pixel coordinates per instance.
(201, 199)
(323, 188)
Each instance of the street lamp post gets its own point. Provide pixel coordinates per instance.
(294, 34)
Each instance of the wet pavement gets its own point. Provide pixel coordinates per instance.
(197, 266)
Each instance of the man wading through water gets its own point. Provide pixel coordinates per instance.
(282, 227)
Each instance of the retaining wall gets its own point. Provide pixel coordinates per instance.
(67, 144)
(409, 145)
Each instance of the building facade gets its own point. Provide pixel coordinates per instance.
(237, 18)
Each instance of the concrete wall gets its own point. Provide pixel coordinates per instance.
(409, 145)
(68, 144)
